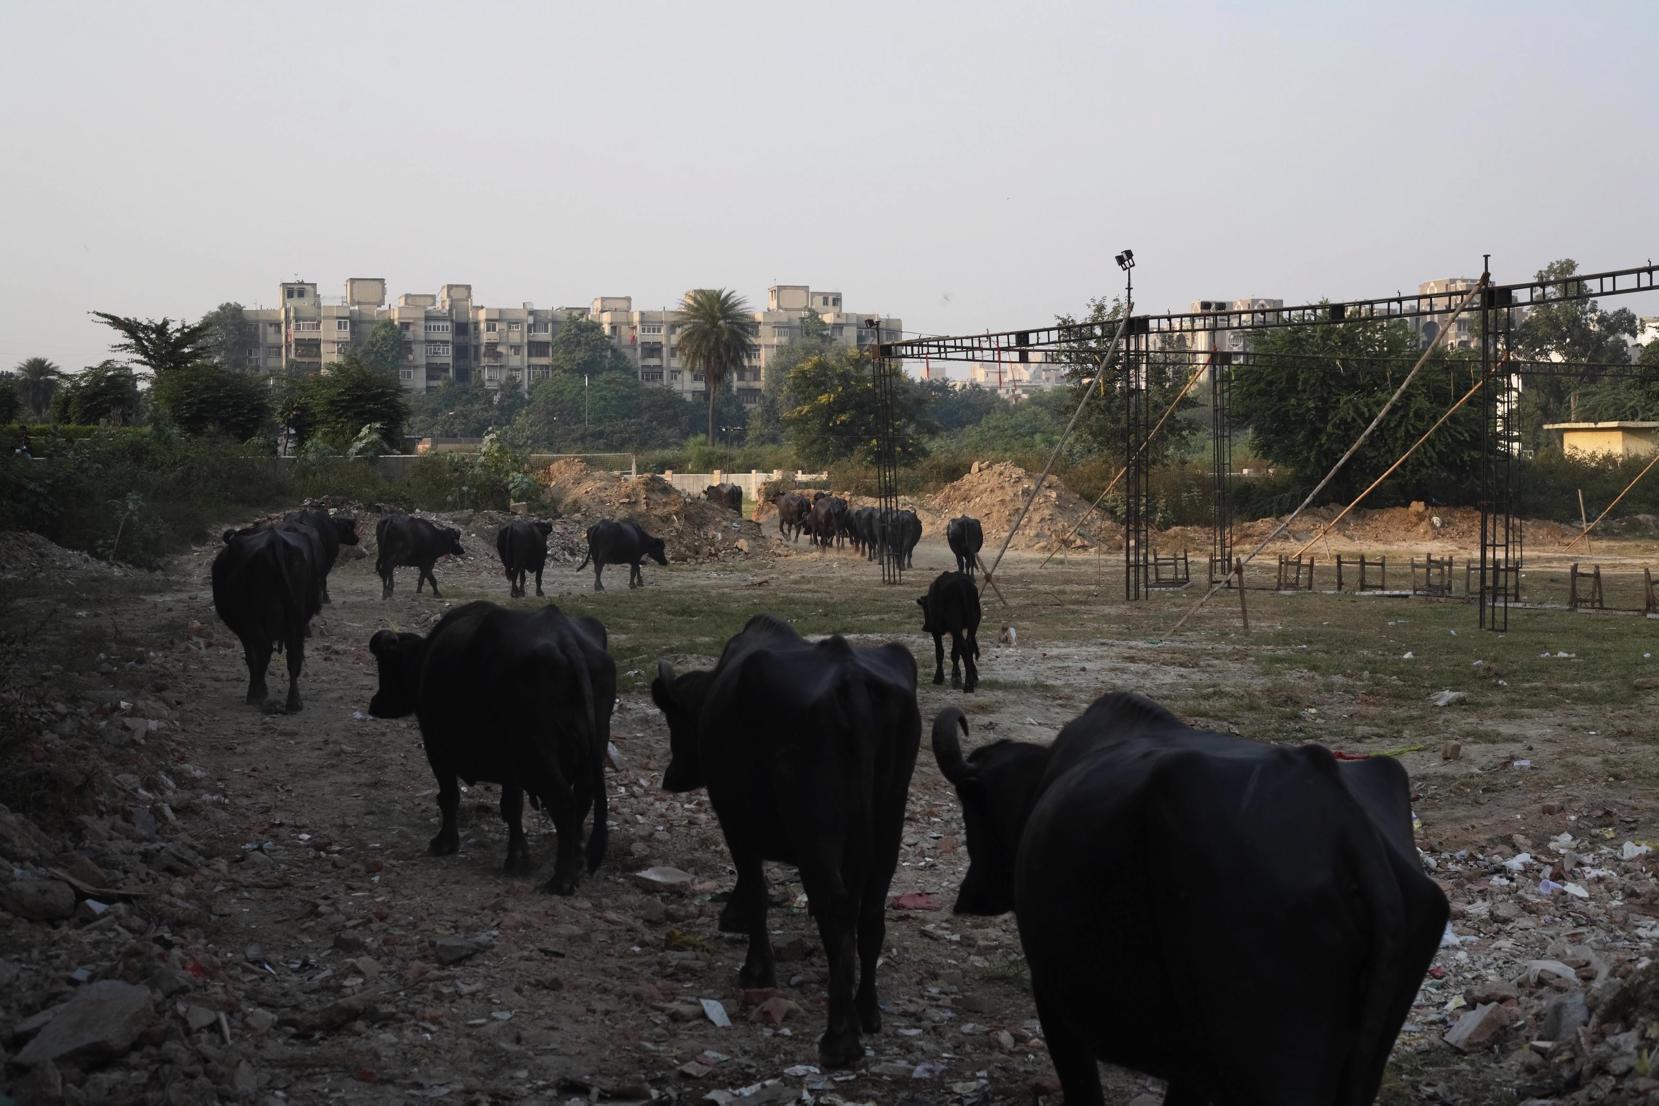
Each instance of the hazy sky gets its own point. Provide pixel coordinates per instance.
(964, 166)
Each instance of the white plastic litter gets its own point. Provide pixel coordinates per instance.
(1517, 862)
(1575, 890)
(1631, 851)
(1409, 656)
(1450, 940)
(716, 1012)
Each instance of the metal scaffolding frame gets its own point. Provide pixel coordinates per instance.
(882, 373)
(1501, 538)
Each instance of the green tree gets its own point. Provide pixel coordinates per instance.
(10, 403)
(158, 344)
(353, 393)
(455, 410)
(581, 347)
(765, 418)
(1015, 428)
(37, 381)
(103, 393)
(210, 398)
(831, 411)
(382, 349)
(1568, 330)
(1309, 391)
(1167, 369)
(613, 411)
(957, 408)
(716, 338)
(1635, 397)
(231, 339)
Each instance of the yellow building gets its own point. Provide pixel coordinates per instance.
(1621, 439)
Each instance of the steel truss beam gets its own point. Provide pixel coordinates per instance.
(1016, 346)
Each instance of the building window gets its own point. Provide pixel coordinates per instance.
(434, 349)
(514, 351)
(307, 324)
(512, 326)
(650, 351)
(539, 328)
(403, 327)
(342, 348)
(489, 328)
(460, 328)
(540, 374)
(342, 324)
(274, 328)
(437, 327)
(295, 293)
(541, 349)
(650, 328)
(406, 374)
(492, 374)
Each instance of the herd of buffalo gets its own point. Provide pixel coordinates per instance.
(1246, 921)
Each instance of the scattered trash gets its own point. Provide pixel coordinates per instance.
(1632, 850)
(1450, 940)
(716, 1012)
(665, 877)
(614, 754)
(1575, 890)
(1447, 698)
(1518, 862)
(359, 716)
(1548, 887)
(1409, 656)
(915, 900)
(1521, 764)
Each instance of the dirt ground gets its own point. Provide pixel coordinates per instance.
(265, 875)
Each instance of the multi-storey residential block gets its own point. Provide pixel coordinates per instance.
(449, 337)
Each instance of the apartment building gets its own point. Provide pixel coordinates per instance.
(449, 337)
(1465, 332)
(1014, 381)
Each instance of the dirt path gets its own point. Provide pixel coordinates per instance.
(350, 966)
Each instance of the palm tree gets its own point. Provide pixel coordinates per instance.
(37, 379)
(715, 337)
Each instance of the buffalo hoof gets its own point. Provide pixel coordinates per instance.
(955, 680)
(444, 844)
(938, 677)
(255, 698)
(751, 976)
(840, 1050)
(968, 688)
(271, 706)
(869, 1014)
(560, 885)
(733, 918)
(292, 706)
(520, 865)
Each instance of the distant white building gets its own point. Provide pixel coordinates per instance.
(1014, 381)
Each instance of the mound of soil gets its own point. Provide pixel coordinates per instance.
(27, 554)
(693, 529)
(996, 493)
(1452, 526)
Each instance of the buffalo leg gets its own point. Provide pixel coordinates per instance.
(598, 585)
(955, 658)
(386, 583)
(1072, 1056)
(970, 649)
(258, 657)
(448, 841)
(830, 904)
(748, 903)
(544, 778)
(872, 933)
(636, 576)
(538, 585)
(296, 660)
(434, 579)
(939, 659)
(512, 813)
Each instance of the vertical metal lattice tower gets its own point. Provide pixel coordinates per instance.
(1500, 575)
(1137, 476)
(1221, 475)
(883, 372)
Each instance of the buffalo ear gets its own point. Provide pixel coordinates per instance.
(921, 601)
(546, 528)
(381, 642)
(662, 688)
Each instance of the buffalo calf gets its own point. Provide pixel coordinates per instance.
(522, 547)
(951, 606)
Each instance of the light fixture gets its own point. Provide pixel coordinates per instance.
(1126, 260)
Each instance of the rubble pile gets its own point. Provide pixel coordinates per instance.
(1545, 964)
(693, 528)
(995, 493)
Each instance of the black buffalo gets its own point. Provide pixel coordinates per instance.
(824, 791)
(522, 547)
(904, 531)
(822, 523)
(861, 525)
(333, 530)
(951, 606)
(521, 698)
(727, 495)
(265, 589)
(403, 540)
(1248, 922)
(793, 511)
(965, 538)
(621, 543)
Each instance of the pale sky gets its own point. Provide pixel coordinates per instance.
(964, 166)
